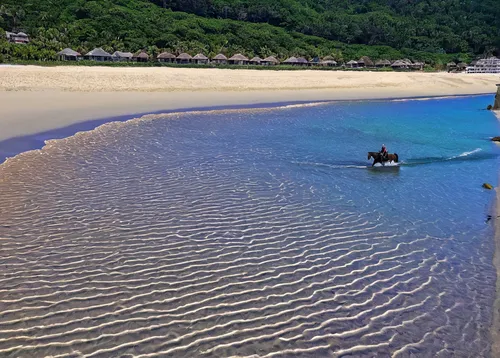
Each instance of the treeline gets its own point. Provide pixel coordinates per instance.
(131, 25)
(448, 26)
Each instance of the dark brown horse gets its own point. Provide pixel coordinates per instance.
(377, 158)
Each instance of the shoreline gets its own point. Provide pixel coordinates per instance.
(18, 144)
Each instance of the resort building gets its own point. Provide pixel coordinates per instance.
(220, 59)
(184, 58)
(98, 54)
(238, 59)
(383, 63)
(68, 55)
(400, 65)
(352, 64)
(329, 63)
(122, 56)
(19, 38)
(489, 65)
(200, 59)
(166, 57)
(255, 61)
(141, 57)
(270, 61)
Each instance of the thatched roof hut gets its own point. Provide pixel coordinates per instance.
(166, 57)
(399, 64)
(184, 58)
(291, 60)
(367, 61)
(383, 63)
(329, 63)
(98, 54)
(417, 66)
(141, 56)
(255, 61)
(68, 55)
(269, 61)
(451, 64)
(122, 56)
(462, 65)
(352, 64)
(302, 61)
(238, 59)
(219, 59)
(200, 59)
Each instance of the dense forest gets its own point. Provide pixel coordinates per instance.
(434, 31)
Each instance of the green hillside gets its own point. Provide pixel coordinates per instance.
(344, 29)
(449, 26)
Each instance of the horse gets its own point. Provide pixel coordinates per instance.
(377, 157)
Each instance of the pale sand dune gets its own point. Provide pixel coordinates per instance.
(35, 99)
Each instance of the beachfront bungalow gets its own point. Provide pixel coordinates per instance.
(461, 66)
(255, 61)
(141, 57)
(383, 63)
(200, 59)
(451, 66)
(119, 56)
(166, 57)
(399, 65)
(270, 61)
(352, 64)
(301, 61)
(184, 58)
(238, 59)
(361, 63)
(220, 59)
(291, 61)
(329, 63)
(366, 61)
(68, 55)
(490, 65)
(98, 54)
(419, 66)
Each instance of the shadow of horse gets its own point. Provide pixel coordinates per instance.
(377, 158)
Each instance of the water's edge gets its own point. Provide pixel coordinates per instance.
(12, 147)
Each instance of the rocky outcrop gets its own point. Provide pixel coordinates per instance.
(496, 106)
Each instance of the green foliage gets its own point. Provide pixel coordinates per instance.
(344, 29)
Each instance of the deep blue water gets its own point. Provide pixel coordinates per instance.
(256, 232)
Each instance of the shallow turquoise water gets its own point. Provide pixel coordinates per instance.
(255, 232)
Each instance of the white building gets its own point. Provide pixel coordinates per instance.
(489, 65)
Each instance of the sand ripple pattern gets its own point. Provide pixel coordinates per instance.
(176, 247)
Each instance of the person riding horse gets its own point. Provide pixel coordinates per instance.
(383, 153)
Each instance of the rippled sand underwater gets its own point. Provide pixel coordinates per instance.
(201, 236)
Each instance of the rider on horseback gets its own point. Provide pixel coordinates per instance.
(383, 153)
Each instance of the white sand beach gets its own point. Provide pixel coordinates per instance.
(35, 99)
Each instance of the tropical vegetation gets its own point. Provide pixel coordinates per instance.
(430, 31)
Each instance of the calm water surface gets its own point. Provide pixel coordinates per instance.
(254, 233)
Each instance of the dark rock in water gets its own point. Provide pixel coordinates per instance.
(495, 139)
(490, 107)
(487, 186)
(496, 106)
